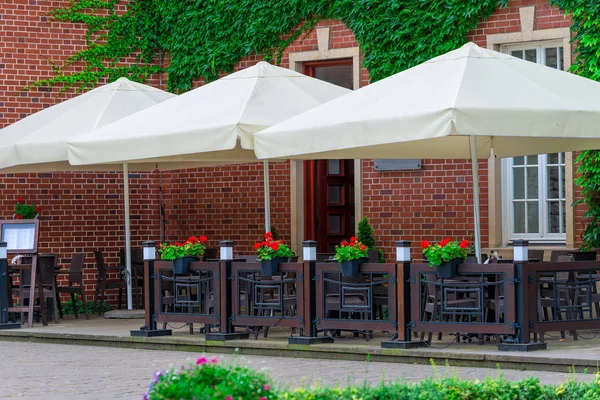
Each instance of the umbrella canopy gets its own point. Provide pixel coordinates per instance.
(458, 105)
(38, 143)
(514, 106)
(213, 123)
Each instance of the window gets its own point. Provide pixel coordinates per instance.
(534, 186)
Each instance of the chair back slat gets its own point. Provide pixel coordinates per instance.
(47, 265)
(76, 268)
(100, 266)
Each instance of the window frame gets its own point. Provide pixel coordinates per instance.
(543, 237)
(508, 228)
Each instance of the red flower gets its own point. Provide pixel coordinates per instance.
(464, 244)
(203, 239)
(256, 246)
(268, 235)
(353, 240)
(38, 209)
(275, 246)
(344, 243)
(193, 239)
(19, 216)
(444, 242)
(178, 244)
(363, 247)
(20, 200)
(425, 244)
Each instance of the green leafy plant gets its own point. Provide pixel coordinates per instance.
(205, 39)
(26, 211)
(366, 235)
(585, 28)
(589, 182)
(209, 379)
(193, 247)
(67, 307)
(274, 233)
(352, 250)
(446, 250)
(271, 248)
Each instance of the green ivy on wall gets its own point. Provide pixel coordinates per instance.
(586, 28)
(204, 38)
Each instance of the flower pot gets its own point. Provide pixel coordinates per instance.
(180, 265)
(350, 268)
(271, 267)
(448, 269)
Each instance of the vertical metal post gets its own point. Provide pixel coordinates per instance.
(267, 197)
(403, 300)
(129, 277)
(4, 288)
(521, 255)
(477, 215)
(149, 329)
(309, 336)
(226, 290)
(522, 290)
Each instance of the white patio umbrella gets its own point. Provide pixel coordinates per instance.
(38, 143)
(459, 105)
(213, 123)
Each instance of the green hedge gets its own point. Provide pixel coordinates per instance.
(210, 379)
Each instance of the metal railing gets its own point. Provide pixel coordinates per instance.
(481, 299)
(562, 296)
(267, 301)
(366, 302)
(190, 298)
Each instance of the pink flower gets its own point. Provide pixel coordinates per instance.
(214, 360)
(262, 398)
(228, 398)
(267, 387)
(201, 361)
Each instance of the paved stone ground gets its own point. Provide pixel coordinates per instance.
(55, 371)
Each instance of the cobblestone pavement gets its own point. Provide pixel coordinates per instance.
(55, 371)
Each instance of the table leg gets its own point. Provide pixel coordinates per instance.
(40, 287)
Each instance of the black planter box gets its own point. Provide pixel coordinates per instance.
(350, 268)
(180, 265)
(271, 267)
(448, 269)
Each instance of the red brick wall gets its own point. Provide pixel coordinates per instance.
(84, 212)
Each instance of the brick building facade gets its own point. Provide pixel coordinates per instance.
(83, 212)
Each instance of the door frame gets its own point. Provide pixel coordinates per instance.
(297, 169)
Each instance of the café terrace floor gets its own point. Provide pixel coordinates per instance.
(561, 356)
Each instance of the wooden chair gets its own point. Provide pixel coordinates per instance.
(103, 283)
(75, 273)
(46, 265)
(547, 301)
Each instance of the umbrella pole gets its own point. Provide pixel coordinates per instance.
(127, 237)
(475, 173)
(267, 199)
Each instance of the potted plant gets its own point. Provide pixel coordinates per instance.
(26, 211)
(182, 254)
(270, 253)
(445, 256)
(365, 235)
(350, 256)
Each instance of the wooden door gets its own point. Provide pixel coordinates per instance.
(329, 211)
